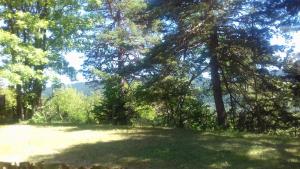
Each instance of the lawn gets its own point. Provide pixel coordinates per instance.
(145, 148)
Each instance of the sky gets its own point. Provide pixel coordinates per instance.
(76, 59)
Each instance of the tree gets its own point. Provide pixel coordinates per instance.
(7, 111)
(235, 37)
(119, 41)
(15, 69)
(40, 30)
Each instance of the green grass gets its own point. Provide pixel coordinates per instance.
(146, 147)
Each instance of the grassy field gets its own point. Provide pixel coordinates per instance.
(146, 147)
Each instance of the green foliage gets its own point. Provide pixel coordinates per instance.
(145, 115)
(197, 115)
(121, 40)
(112, 109)
(232, 39)
(272, 108)
(16, 71)
(8, 113)
(33, 35)
(149, 57)
(68, 105)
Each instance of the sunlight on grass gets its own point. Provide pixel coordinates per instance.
(291, 150)
(19, 142)
(220, 165)
(149, 148)
(259, 152)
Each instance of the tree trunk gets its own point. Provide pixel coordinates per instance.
(120, 116)
(216, 81)
(42, 44)
(20, 108)
(37, 102)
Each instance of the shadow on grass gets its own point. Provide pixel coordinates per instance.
(80, 127)
(161, 148)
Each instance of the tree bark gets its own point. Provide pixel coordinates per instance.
(42, 44)
(119, 116)
(215, 78)
(19, 99)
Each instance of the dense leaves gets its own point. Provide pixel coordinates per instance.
(33, 35)
(69, 106)
(181, 63)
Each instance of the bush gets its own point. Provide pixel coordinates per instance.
(114, 108)
(7, 114)
(145, 115)
(67, 105)
(198, 115)
(40, 117)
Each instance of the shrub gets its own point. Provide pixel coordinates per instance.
(198, 115)
(67, 105)
(144, 115)
(114, 108)
(7, 114)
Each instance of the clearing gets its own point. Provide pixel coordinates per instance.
(146, 147)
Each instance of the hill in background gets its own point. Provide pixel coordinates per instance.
(79, 86)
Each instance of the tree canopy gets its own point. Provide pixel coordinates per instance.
(201, 64)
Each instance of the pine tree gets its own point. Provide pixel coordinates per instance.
(235, 36)
(119, 41)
